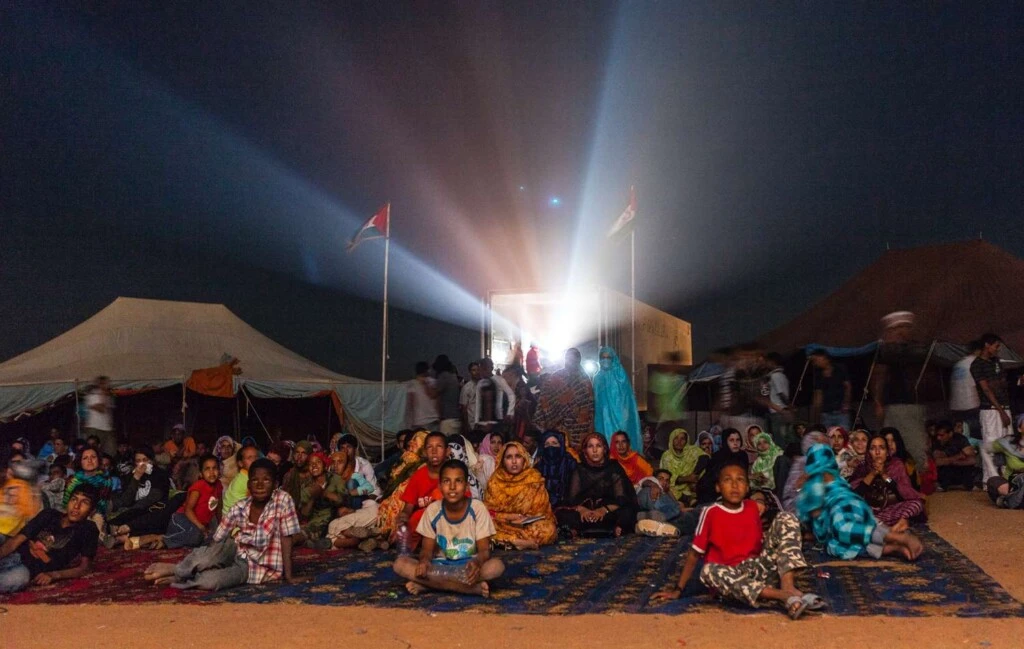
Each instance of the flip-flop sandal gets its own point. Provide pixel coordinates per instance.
(795, 607)
(814, 603)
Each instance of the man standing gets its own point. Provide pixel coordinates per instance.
(832, 390)
(963, 392)
(495, 400)
(994, 397)
(99, 419)
(894, 383)
(467, 398)
(448, 393)
(533, 368)
(421, 400)
(566, 401)
(779, 416)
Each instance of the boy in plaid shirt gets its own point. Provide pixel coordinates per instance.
(260, 549)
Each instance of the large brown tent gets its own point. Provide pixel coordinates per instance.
(958, 292)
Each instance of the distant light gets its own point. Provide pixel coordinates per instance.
(555, 201)
(590, 367)
(522, 188)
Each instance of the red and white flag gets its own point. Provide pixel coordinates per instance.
(627, 216)
(376, 228)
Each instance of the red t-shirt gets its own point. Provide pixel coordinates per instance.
(209, 499)
(421, 485)
(729, 536)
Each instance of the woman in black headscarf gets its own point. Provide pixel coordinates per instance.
(600, 500)
(731, 452)
(556, 465)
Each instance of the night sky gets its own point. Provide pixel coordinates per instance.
(172, 150)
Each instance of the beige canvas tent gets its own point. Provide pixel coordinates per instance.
(150, 344)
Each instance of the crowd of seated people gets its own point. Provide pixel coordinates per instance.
(444, 501)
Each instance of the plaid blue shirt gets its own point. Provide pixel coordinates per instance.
(260, 543)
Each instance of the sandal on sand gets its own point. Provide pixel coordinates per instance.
(795, 607)
(814, 603)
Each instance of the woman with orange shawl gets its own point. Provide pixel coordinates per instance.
(636, 467)
(516, 493)
(392, 506)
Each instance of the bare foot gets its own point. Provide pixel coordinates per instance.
(525, 544)
(902, 525)
(158, 570)
(163, 581)
(915, 546)
(414, 588)
(483, 590)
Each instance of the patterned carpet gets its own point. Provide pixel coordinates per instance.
(588, 576)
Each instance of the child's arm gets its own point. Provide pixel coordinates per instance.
(426, 554)
(83, 568)
(286, 558)
(11, 544)
(483, 555)
(190, 510)
(688, 568)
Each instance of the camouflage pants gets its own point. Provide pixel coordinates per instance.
(745, 581)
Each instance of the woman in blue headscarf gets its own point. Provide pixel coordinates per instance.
(614, 403)
(840, 519)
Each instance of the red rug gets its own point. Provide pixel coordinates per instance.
(117, 578)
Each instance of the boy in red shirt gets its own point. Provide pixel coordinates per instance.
(423, 487)
(739, 562)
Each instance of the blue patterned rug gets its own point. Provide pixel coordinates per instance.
(620, 575)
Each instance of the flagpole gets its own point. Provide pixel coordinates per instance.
(384, 336)
(632, 305)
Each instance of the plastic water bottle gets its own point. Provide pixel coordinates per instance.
(448, 570)
(404, 547)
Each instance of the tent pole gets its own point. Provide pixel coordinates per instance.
(384, 335)
(184, 402)
(800, 383)
(923, 368)
(258, 418)
(867, 382)
(78, 416)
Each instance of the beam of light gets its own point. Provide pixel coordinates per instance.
(273, 216)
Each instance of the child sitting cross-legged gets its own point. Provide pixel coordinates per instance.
(739, 562)
(189, 525)
(456, 551)
(260, 552)
(53, 545)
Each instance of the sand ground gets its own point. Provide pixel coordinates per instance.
(988, 536)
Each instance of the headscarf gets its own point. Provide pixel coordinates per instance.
(614, 403)
(707, 435)
(320, 455)
(411, 460)
(602, 483)
(225, 438)
(796, 469)
(457, 451)
(305, 445)
(842, 431)
(350, 464)
(636, 467)
(764, 465)
(524, 493)
(681, 463)
(555, 465)
(839, 517)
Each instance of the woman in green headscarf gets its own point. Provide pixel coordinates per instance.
(686, 462)
(762, 471)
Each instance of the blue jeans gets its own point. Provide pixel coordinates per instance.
(182, 533)
(838, 418)
(13, 574)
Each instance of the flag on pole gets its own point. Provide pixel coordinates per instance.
(376, 228)
(627, 216)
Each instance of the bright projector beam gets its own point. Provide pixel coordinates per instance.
(273, 217)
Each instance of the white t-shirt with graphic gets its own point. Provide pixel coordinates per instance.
(456, 540)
